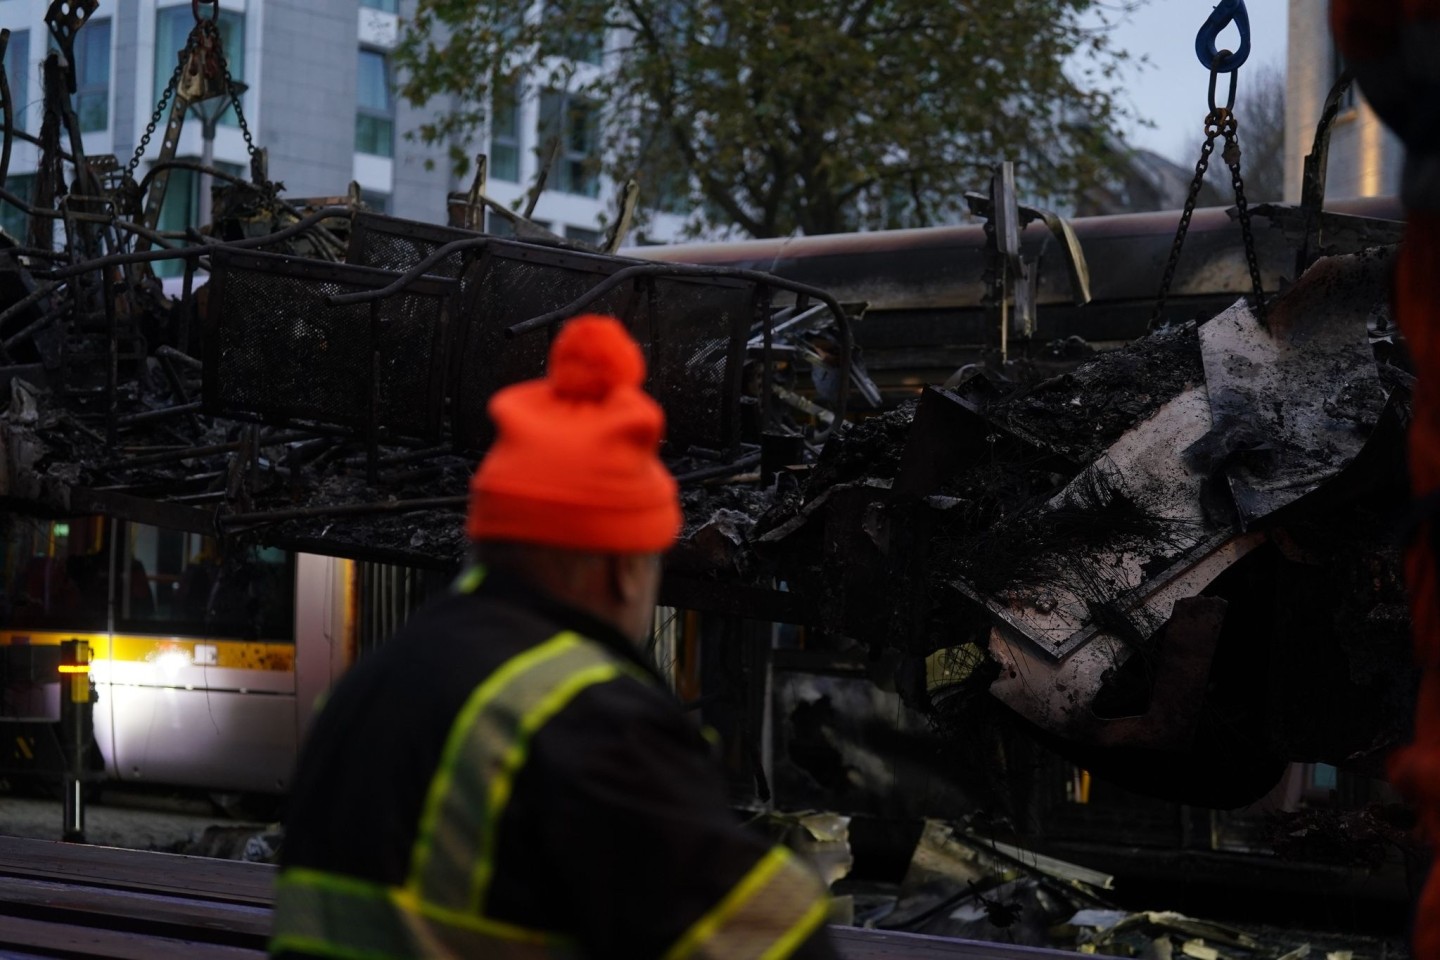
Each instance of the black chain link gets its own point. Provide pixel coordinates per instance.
(144, 143)
(1212, 130)
(250, 147)
(204, 28)
(1231, 155)
(1219, 122)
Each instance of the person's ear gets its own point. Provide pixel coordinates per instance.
(624, 576)
(636, 576)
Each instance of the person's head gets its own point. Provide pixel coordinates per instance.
(572, 495)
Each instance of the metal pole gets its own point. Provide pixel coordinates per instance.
(77, 719)
(207, 159)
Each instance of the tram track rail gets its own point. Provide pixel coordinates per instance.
(77, 901)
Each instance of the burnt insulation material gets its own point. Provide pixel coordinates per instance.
(715, 540)
(1034, 549)
(868, 450)
(433, 537)
(994, 527)
(1081, 413)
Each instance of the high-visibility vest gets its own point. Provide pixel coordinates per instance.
(440, 910)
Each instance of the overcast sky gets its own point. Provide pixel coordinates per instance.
(1171, 90)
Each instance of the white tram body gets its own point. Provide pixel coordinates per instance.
(208, 668)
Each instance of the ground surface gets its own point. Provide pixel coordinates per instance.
(135, 821)
(193, 824)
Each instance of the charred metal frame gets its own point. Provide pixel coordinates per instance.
(617, 275)
(858, 551)
(274, 406)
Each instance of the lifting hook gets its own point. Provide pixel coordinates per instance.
(1225, 13)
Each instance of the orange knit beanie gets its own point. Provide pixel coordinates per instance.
(576, 456)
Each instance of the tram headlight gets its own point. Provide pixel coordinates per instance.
(170, 663)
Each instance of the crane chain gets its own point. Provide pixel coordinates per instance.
(144, 143)
(204, 27)
(1220, 123)
(250, 147)
(1212, 130)
(1231, 156)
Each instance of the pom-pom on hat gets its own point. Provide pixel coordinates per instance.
(576, 461)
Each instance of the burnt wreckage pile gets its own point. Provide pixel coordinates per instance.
(1166, 559)
(1178, 557)
(331, 374)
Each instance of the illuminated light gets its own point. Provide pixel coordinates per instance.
(171, 662)
(74, 668)
(62, 529)
(1372, 166)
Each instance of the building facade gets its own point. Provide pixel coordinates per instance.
(1365, 157)
(321, 98)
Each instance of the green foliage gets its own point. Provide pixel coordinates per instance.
(810, 115)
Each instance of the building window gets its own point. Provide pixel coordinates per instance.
(375, 202)
(1323, 778)
(576, 124)
(505, 137)
(389, 6)
(92, 75)
(181, 209)
(583, 47)
(575, 43)
(498, 226)
(581, 234)
(375, 112)
(14, 220)
(17, 70)
(172, 30)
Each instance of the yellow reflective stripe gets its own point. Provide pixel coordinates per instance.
(325, 914)
(334, 882)
(504, 779)
(798, 934)
(339, 916)
(706, 927)
(470, 579)
(323, 948)
(771, 911)
(455, 743)
(410, 900)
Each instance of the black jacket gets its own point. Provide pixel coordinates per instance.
(612, 833)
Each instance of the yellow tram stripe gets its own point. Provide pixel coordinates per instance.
(278, 657)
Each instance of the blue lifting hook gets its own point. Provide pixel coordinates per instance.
(1225, 13)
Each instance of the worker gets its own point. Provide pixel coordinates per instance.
(509, 777)
(1393, 47)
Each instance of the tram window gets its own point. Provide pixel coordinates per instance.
(180, 582)
(53, 574)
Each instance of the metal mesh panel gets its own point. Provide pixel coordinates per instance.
(393, 244)
(410, 382)
(701, 327)
(277, 350)
(693, 332)
(501, 290)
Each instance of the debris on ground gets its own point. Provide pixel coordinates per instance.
(964, 885)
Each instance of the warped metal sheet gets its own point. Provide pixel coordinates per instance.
(1129, 573)
(1293, 403)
